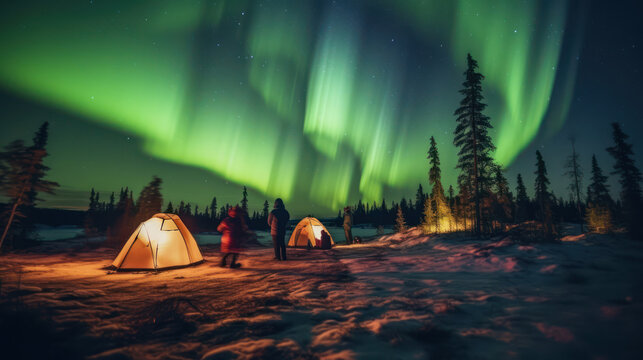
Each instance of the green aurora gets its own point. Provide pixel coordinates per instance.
(299, 99)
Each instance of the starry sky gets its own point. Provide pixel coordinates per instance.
(321, 103)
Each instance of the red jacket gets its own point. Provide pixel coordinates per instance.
(233, 234)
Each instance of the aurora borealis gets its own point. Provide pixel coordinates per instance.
(319, 102)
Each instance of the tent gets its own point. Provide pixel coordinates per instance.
(159, 243)
(308, 233)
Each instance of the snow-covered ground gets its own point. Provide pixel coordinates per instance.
(397, 297)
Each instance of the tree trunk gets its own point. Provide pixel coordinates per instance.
(11, 216)
(577, 185)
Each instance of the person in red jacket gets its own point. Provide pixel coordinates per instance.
(233, 229)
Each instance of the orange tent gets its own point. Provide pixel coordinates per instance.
(308, 233)
(159, 243)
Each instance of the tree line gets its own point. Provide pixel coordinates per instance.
(484, 203)
(118, 216)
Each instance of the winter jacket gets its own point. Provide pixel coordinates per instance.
(278, 221)
(325, 240)
(233, 234)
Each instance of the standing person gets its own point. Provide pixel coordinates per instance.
(234, 230)
(278, 221)
(348, 223)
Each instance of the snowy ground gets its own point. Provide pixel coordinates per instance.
(398, 296)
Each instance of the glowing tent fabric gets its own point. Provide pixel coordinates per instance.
(308, 233)
(159, 243)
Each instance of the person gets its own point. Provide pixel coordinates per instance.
(278, 221)
(233, 230)
(348, 223)
(325, 240)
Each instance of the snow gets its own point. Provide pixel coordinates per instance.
(397, 296)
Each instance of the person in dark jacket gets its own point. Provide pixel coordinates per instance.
(278, 222)
(348, 224)
(233, 230)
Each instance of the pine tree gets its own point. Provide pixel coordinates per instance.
(629, 178)
(435, 176)
(111, 206)
(213, 210)
(264, 213)
(400, 223)
(503, 198)
(599, 202)
(471, 136)
(125, 221)
(598, 189)
(542, 195)
(441, 210)
(451, 198)
(575, 173)
(522, 200)
(599, 213)
(170, 208)
(23, 176)
(428, 218)
(150, 200)
(420, 198)
(223, 212)
(244, 200)
(91, 226)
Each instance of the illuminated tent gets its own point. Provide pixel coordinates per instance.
(159, 243)
(308, 233)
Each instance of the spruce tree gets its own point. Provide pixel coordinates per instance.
(575, 174)
(264, 213)
(543, 196)
(427, 217)
(598, 189)
(451, 198)
(400, 223)
(244, 200)
(420, 199)
(150, 200)
(471, 136)
(90, 225)
(629, 178)
(502, 204)
(170, 208)
(23, 177)
(522, 200)
(441, 211)
(213, 210)
(599, 203)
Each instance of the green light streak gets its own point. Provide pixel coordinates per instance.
(301, 100)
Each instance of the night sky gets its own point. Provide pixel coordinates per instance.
(318, 102)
